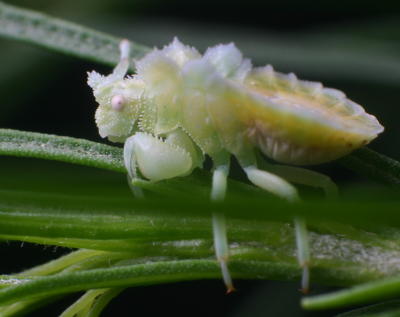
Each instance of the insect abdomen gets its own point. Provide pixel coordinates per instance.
(300, 122)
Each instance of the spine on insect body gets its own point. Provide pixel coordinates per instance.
(226, 106)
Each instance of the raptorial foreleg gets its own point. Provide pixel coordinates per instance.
(156, 159)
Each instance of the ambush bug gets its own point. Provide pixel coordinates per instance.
(182, 105)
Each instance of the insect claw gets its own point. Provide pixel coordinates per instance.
(305, 279)
(304, 291)
(137, 191)
(226, 275)
(230, 290)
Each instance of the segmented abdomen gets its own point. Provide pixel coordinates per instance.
(301, 122)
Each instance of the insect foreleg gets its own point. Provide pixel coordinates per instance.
(131, 166)
(310, 178)
(156, 159)
(218, 191)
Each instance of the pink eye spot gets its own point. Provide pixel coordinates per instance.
(117, 102)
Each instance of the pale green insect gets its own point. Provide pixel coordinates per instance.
(182, 105)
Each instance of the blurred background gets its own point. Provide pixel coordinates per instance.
(350, 45)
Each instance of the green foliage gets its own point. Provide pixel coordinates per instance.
(58, 35)
(125, 242)
(65, 149)
(360, 294)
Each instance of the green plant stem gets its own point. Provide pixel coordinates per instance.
(121, 245)
(78, 151)
(277, 246)
(385, 309)
(91, 303)
(373, 165)
(98, 218)
(22, 307)
(148, 274)
(62, 36)
(58, 265)
(75, 261)
(360, 294)
(60, 148)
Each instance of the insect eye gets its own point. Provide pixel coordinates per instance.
(117, 102)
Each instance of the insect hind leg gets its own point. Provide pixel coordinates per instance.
(281, 188)
(302, 176)
(271, 183)
(303, 252)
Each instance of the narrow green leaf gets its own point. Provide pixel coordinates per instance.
(143, 274)
(114, 245)
(66, 37)
(386, 309)
(23, 307)
(373, 165)
(150, 273)
(92, 303)
(60, 264)
(368, 292)
(78, 151)
(75, 261)
(60, 148)
(169, 271)
(40, 215)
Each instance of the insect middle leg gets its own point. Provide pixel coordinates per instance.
(310, 178)
(221, 246)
